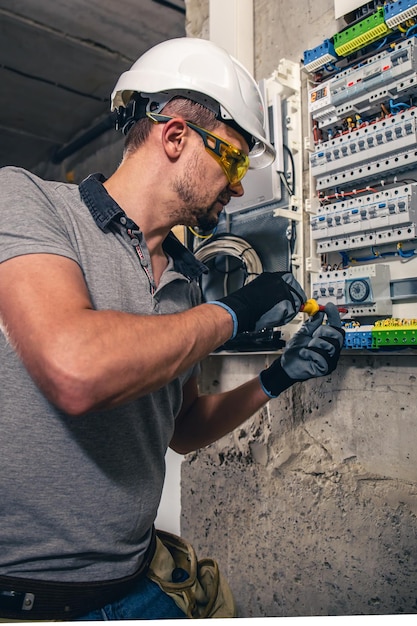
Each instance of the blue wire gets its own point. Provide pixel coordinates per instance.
(345, 258)
(397, 106)
(380, 255)
(381, 44)
(406, 254)
(333, 67)
(410, 30)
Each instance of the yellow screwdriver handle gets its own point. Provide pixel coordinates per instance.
(310, 306)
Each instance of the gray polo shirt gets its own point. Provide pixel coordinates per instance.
(79, 495)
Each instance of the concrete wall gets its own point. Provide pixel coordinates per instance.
(310, 507)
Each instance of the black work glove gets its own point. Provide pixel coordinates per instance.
(312, 352)
(270, 290)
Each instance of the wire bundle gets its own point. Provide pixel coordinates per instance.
(230, 245)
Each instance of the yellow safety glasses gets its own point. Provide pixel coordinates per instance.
(234, 162)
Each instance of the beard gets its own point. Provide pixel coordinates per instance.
(207, 221)
(196, 207)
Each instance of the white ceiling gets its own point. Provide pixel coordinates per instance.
(59, 61)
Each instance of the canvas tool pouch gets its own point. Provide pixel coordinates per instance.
(205, 593)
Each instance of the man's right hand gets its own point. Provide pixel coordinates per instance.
(270, 290)
(312, 352)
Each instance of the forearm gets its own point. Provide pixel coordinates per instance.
(210, 417)
(106, 358)
(84, 359)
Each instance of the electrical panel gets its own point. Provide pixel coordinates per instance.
(338, 207)
(362, 155)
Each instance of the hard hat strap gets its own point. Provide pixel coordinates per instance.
(127, 116)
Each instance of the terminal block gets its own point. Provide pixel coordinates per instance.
(358, 338)
(362, 88)
(395, 14)
(361, 34)
(373, 219)
(391, 333)
(398, 12)
(394, 333)
(318, 57)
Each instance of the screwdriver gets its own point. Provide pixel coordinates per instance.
(311, 307)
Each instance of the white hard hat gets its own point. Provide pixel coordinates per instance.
(201, 71)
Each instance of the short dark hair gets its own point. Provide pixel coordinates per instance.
(189, 110)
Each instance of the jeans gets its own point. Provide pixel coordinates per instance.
(146, 601)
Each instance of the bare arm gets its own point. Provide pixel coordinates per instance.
(207, 418)
(83, 359)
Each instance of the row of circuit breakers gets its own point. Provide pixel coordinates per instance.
(363, 166)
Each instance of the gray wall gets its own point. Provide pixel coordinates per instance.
(310, 507)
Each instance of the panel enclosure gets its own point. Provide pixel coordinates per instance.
(363, 180)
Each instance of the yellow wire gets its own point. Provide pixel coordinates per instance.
(196, 234)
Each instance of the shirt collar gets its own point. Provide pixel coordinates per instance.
(105, 210)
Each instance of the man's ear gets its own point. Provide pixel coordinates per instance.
(173, 137)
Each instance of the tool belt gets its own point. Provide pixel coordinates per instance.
(28, 599)
(198, 587)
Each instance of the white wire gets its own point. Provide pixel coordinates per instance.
(234, 247)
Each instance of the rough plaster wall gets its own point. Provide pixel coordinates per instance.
(310, 507)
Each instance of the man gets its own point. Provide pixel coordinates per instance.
(103, 330)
